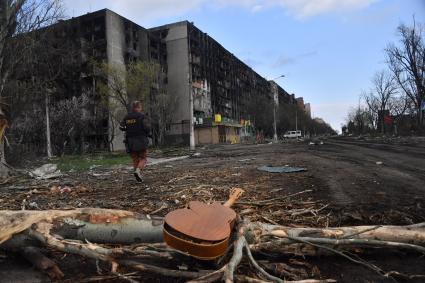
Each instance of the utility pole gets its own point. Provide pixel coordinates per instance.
(296, 118)
(275, 105)
(191, 124)
(48, 141)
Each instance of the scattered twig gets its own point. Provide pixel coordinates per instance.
(267, 201)
(125, 277)
(269, 220)
(163, 206)
(259, 268)
(370, 266)
(161, 270)
(366, 242)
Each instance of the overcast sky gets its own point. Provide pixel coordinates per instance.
(328, 49)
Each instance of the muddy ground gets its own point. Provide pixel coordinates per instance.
(352, 182)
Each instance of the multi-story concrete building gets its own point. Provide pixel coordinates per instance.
(306, 107)
(104, 36)
(195, 66)
(221, 85)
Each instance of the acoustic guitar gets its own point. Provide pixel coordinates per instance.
(202, 230)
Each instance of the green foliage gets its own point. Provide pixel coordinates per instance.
(123, 85)
(84, 162)
(119, 86)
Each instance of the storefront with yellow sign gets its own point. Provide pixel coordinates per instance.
(219, 130)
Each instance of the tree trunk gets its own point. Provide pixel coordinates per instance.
(382, 124)
(111, 133)
(4, 170)
(92, 224)
(48, 141)
(129, 230)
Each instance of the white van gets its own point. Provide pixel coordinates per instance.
(292, 134)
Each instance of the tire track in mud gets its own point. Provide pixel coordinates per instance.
(399, 181)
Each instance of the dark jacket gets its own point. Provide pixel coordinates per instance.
(137, 128)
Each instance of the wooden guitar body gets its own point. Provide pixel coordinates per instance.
(201, 230)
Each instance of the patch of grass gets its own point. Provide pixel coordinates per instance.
(84, 162)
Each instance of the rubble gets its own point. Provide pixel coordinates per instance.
(289, 200)
(47, 171)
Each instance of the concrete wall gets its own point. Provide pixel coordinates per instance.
(207, 135)
(178, 78)
(210, 135)
(115, 37)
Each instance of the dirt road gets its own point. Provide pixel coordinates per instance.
(352, 176)
(353, 183)
(370, 176)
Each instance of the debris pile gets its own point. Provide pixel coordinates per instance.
(47, 171)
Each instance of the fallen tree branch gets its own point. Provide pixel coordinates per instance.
(370, 266)
(244, 278)
(226, 273)
(15, 222)
(402, 234)
(343, 242)
(161, 271)
(41, 262)
(259, 268)
(87, 232)
(41, 233)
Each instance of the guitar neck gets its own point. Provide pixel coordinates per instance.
(233, 197)
(229, 202)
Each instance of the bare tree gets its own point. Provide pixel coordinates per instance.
(378, 99)
(398, 107)
(120, 85)
(359, 120)
(161, 107)
(69, 117)
(407, 62)
(18, 18)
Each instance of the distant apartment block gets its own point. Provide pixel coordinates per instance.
(304, 106)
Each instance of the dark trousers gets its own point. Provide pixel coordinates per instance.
(139, 158)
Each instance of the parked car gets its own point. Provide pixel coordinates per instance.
(292, 134)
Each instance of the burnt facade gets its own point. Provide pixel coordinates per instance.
(194, 66)
(104, 37)
(219, 82)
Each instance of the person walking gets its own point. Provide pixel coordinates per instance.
(137, 130)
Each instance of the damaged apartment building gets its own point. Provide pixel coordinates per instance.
(105, 37)
(195, 66)
(222, 86)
